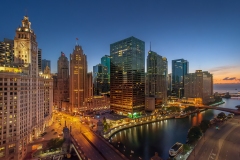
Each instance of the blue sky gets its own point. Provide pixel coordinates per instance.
(205, 32)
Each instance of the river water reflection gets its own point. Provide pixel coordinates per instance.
(147, 139)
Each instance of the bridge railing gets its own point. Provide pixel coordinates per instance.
(78, 149)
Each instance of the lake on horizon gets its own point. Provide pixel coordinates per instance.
(223, 88)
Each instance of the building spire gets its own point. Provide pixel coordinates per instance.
(26, 12)
(150, 47)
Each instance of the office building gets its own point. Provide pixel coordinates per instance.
(156, 81)
(78, 79)
(89, 91)
(6, 52)
(199, 85)
(169, 79)
(44, 64)
(127, 77)
(25, 101)
(180, 68)
(105, 61)
(100, 79)
(61, 83)
(40, 70)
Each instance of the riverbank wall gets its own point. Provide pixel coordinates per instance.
(119, 128)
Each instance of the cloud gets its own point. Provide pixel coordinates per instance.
(232, 78)
(221, 68)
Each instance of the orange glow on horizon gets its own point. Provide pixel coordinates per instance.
(226, 77)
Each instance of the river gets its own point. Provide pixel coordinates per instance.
(143, 141)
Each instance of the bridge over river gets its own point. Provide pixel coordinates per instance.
(235, 111)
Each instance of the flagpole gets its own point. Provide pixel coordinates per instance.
(76, 41)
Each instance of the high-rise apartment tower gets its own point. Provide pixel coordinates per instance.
(199, 85)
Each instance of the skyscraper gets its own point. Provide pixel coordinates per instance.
(78, 79)
(169, 78)
(199, 85)
(44, 64)
(89, 90)
(61, 82)
(180, 68)
(156, 80)
(127, 77)
(40, 61)
(6, 52)
(26, 100)
(105, 60)
(100, 79)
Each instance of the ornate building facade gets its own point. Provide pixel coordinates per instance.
(25, 101)
(78, 80)
(61, 83)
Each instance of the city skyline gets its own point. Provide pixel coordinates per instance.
(204, 33)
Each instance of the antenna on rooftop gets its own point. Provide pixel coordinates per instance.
(150, 47)
(26, 12)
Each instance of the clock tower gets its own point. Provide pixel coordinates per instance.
(26, 47)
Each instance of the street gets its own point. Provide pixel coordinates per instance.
(222, 144)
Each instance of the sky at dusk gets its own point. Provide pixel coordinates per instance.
(206, 33)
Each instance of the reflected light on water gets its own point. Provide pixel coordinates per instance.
(144, 140)
(196, 120)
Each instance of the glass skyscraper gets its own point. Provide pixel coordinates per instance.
(100, 79)
(127, 76)
(156, 78)
(180, 68)
(105, 61)
(45, 63)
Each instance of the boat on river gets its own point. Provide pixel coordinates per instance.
(181, 116)
(176, 149)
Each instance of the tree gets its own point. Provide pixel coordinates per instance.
(190, 108)
(172, 109)
(55, 143)
(105, 124)
(221, 115)
(186, 148)
(194, 134)
(204, 125)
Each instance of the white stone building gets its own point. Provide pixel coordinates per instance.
(25, 97)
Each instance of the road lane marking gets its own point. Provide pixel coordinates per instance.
(210, 154)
